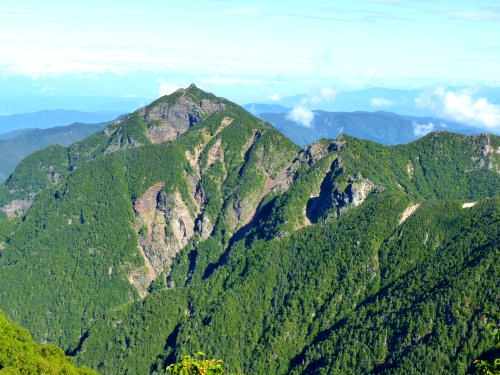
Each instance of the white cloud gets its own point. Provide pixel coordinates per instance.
(324, 94)
(301, 115)
(461, 106)
(36, 61)
(422, 129)
(275, 97)
(381, 102)
(165, 88)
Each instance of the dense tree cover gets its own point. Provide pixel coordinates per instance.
(430, 313)
(22, 143)
(438, 166)
(19, 354)
(342, 293)
(36, 172)
(71, 256)
(323, 275)
(196, 366)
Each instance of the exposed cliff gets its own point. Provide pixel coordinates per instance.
(338, 194)
(164, 225)
(169, 119)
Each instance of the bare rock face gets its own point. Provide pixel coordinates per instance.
(204, 227)
(216, 153)
(17, 207)
(164, 225)
(316, 151)
(488, 158)
(358, 190)
(309, 155)
(175, 119)
(334, 199)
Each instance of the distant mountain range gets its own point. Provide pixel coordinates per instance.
(386, 128)
(383, 127)
(52, 118)
(411, 102)
(14, 146)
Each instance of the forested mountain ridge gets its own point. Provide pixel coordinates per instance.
(216, 233)
(19, 354)
(165, 119)
(89, 235)
(17, 145)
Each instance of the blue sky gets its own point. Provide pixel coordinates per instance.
(246, 50)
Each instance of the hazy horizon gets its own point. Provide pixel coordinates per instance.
(255, 52)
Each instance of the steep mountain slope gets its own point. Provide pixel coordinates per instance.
(273, 301)
(106, 229)
(163, 120)
(22, 143)
(19, 354)
(438, 288)
(383, 127)
(192, 225)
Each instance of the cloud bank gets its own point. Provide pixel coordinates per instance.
(324, 94)
(381, 102)
(463, 107)
(301, 115)
(165, 88)
(422, 129)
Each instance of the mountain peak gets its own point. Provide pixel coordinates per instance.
(172, 115)
(191, 87)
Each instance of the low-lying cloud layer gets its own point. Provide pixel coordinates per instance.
(380, 102)
(324, 94)
(301, 115)
(462, 106)
(422, 129)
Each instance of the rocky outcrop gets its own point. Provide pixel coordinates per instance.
(215, 154)
(168, 121)
(337, 196)
(357, 191)
(119, 140)
(488, 155)
(318, 150)
(410, 169)
(284, 179)
(203, 226)
(469, 204)
(163, 120)
(17, 207)
(164, 225)
(309, 155)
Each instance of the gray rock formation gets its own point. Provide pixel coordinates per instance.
(171, 120)
(336, 198)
